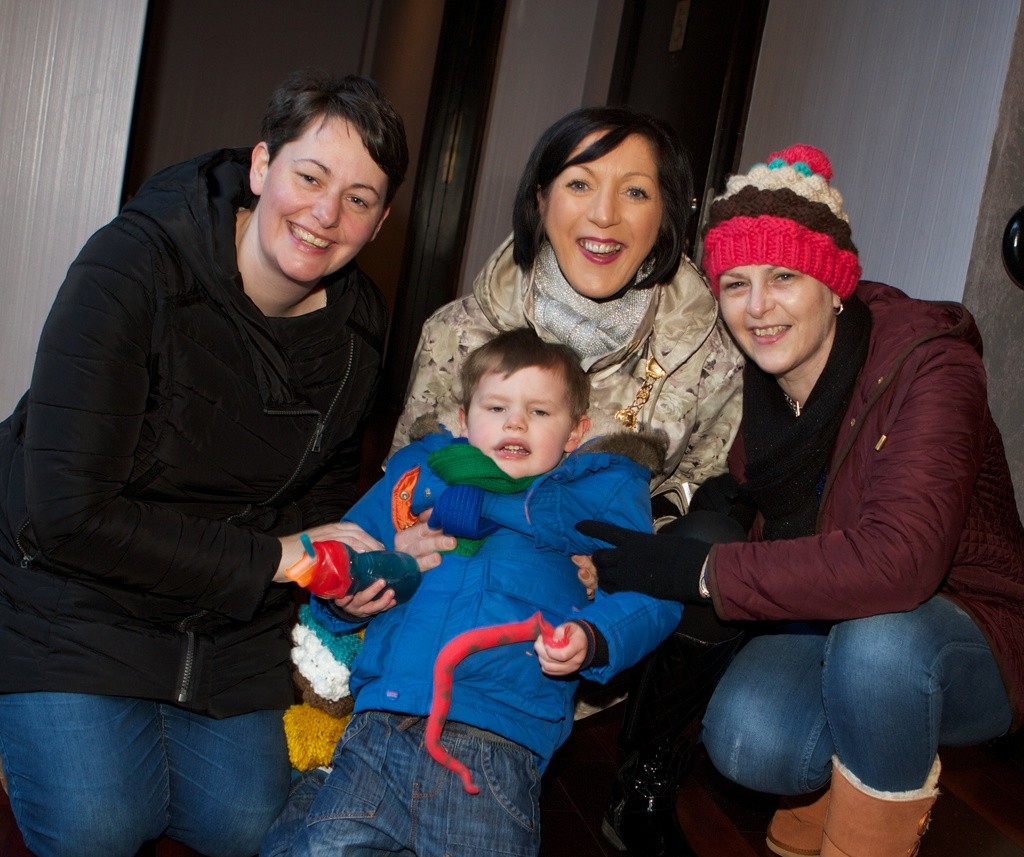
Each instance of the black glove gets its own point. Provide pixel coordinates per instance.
(711, 527)
(723, 494)
(717, 494)
(659, 565)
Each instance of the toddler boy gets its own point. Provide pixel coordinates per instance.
(512, 487)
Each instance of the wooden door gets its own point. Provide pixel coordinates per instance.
(691, 63)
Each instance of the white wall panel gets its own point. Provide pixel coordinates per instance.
(903, 96)
(69, 69)
(554, 58)
(995, 300)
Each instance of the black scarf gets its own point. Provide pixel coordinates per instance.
(788, 456)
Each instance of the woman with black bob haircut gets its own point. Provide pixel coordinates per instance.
(556, 151)
(596, 261)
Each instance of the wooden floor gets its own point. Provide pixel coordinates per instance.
(980, 812)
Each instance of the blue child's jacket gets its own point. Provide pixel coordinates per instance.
(522, 568)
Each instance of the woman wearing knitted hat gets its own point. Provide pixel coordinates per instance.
(886, 559)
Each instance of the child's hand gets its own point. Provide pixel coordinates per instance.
(586, 571)
(424, 543)
(565, 658)
(366, 603)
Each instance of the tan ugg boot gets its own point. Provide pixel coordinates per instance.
(797, 828)
(863, 822)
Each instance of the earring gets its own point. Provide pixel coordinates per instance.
(645, 270)
(838, 310)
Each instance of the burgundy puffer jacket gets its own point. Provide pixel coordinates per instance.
(918, 501)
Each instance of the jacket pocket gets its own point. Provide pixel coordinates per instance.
(514, 593)
(12, 477)
(556, 592)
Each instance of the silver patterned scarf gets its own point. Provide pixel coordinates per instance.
(591, 328)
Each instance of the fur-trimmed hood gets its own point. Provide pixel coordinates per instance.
(646, 448)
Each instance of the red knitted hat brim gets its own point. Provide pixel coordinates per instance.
(768, 240)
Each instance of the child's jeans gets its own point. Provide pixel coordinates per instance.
(386, 794)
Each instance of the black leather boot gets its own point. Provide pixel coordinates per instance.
(668, 694)
(641, 814)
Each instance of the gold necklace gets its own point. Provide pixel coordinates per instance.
(793, 404)
(628, 416)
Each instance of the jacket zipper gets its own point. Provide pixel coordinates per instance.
(184, 686)
(26, 557)
(185, 683)
(315, 441)
(337, 395)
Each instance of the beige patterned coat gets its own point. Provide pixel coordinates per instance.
(696, 399)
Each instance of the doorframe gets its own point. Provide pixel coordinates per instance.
(741, 66)
(741, 70)
(460, 96)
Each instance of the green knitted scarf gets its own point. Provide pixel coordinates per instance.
(464, 464)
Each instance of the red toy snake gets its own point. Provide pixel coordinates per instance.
(449, 657)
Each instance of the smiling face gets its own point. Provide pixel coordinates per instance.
(522, 421)
(602, 218)
(783, 320)
(321, 200)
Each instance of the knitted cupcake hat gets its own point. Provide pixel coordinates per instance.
(783, 212)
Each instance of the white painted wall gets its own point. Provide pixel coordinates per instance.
(993, 297)
(903, 96)
(69, 69)
(545, 69)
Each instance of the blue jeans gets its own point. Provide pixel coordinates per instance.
(386, 795)
(881, 693)
(100, 775)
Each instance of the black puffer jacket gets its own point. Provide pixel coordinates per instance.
(169, 433)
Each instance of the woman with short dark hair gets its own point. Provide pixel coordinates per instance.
(198, 401)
